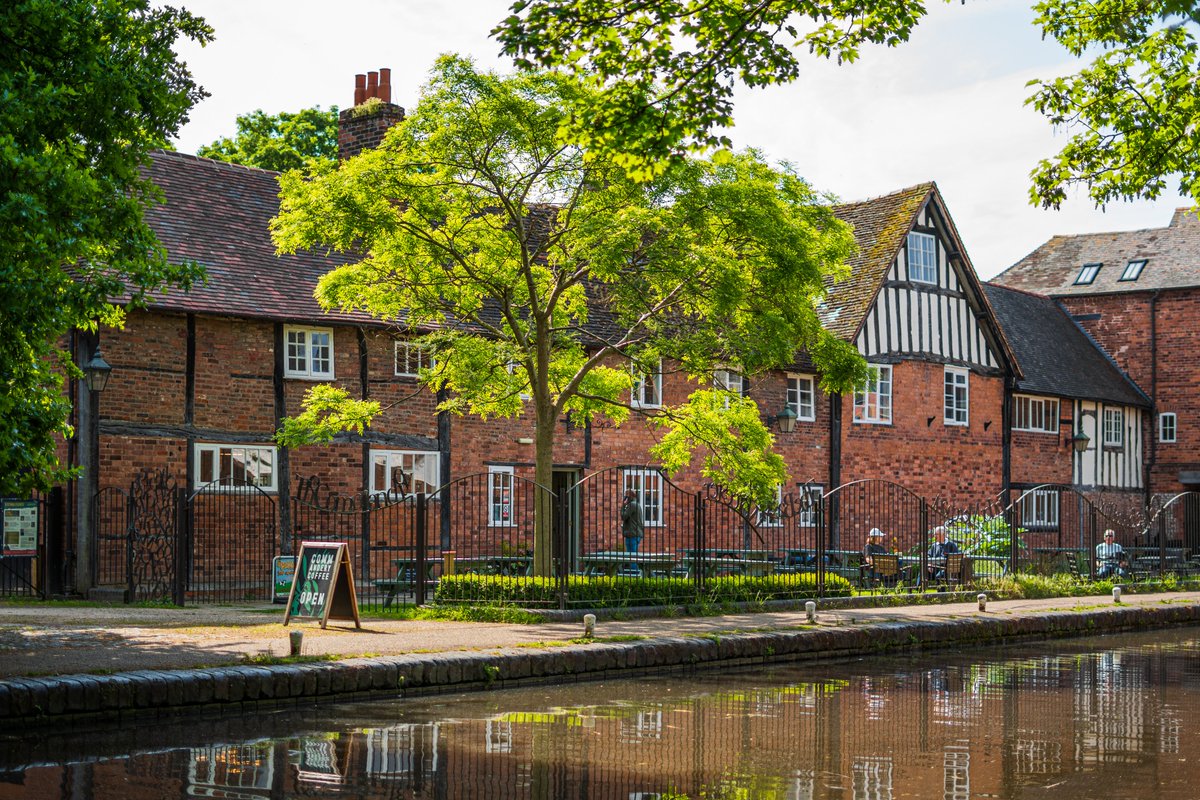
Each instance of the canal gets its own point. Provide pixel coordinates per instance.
(1110, 717)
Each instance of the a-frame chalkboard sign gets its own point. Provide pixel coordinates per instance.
(323, 588)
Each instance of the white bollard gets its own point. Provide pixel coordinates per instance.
(810, 611)
(296, 639)
(982, 598)
(1116, 594)
(589, 626)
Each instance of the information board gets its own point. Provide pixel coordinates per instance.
(19, 527)
(323, 587)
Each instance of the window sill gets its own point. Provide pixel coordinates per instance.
(293, 376)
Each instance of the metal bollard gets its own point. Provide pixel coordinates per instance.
(982, 598)
(589, 626)
(810, 611)
(1116, 594)
(296, 639)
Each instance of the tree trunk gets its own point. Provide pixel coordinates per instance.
(543, 514)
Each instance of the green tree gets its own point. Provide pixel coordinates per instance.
(666, 71)
(547, 272)
(1134, 111)
(86, 88)
(279, 142)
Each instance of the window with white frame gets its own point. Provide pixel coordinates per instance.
(1114, 427)
(647, 486)
(308, 353)
(922, 257)
(647, 389)
(1133, 270)
(1087, 274)
(772, 517)
(405, 472)
(412, 358)
(500, 497)
(1035, 414)
(1166, 426)
(873, 399)
(957, 396)
(810, 505)
(728, 380)
(1039, 509)
(229, 465)
(801, 397)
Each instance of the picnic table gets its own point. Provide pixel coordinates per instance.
(495, 565)
(727, 561)
(406, 573)
(614, 562)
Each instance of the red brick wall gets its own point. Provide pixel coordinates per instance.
(1043, 457)
(929, 458)
(149, 361)
(235, 364)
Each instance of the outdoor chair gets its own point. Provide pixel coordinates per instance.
(884, 571)
(953, 574)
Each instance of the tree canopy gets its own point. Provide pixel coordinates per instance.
(87, 87)
(281, 141)
(540, 271)
(664, 74)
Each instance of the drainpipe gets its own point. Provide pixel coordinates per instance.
(1006, 439)
(835, 464)
(1148, 470)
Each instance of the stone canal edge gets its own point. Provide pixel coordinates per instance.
(33, 701)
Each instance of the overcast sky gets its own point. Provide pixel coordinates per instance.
(947, 106)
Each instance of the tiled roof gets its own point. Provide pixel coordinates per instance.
(219, 215)
(1055, 355)
(880, 227)
(1172, 257)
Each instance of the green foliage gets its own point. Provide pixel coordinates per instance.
(663, 73)
(1132, 112)
(981, 535)
(544, 272)
(88, 87)
(589, 592)
(280, 142)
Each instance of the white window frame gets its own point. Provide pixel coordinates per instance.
(648, 486)
(802, 396)
(1087, 274)
(299, 345)
(873, 400)
(639, 397)
(1039, 509)
(501, 491)
(1133, 270)
(956, 407)
(730, 380)
(1114, 427)
(1168, 427)
(427, 475)
(772, 518)
(1027, 410)
(411, 358)
(809, 518)
(251, 458)
(922, 257)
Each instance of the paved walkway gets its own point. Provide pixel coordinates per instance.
(46, 640)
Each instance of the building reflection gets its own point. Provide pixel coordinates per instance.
(1088, 724)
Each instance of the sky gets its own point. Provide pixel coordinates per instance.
(946, 106)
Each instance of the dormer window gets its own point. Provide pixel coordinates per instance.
(1133, 270)
(922, 258)
(1087, 274)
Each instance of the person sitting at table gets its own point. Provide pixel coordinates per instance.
(938, 551)
(873, 547)
(1110, 557)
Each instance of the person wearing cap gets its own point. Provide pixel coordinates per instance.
(873, 547)
(1110, 557)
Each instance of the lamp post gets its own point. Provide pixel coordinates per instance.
(96, 372)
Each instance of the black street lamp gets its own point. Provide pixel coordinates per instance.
(96, 372)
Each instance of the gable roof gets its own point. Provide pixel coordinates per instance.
(1172, 257)
(1056, 356)
(219, 215)
(881, 225)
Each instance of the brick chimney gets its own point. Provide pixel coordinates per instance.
(363, 126)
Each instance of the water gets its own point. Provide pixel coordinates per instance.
(1111, 717)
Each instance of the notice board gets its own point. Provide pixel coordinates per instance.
(323, 588)
(18, 527)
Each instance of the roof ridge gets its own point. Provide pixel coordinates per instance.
(924, 187)
(161, 153)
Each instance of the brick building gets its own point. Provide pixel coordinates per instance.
(201, 379)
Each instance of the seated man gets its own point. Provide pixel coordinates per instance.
(1110, 557)
(874, 547)
(938, 551)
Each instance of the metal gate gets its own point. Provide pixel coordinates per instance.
(136, 539)
(231, 536)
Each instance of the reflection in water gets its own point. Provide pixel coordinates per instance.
(1107, 718)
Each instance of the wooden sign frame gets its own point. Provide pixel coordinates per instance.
(323, 586)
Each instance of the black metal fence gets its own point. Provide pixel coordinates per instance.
(33, 530)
